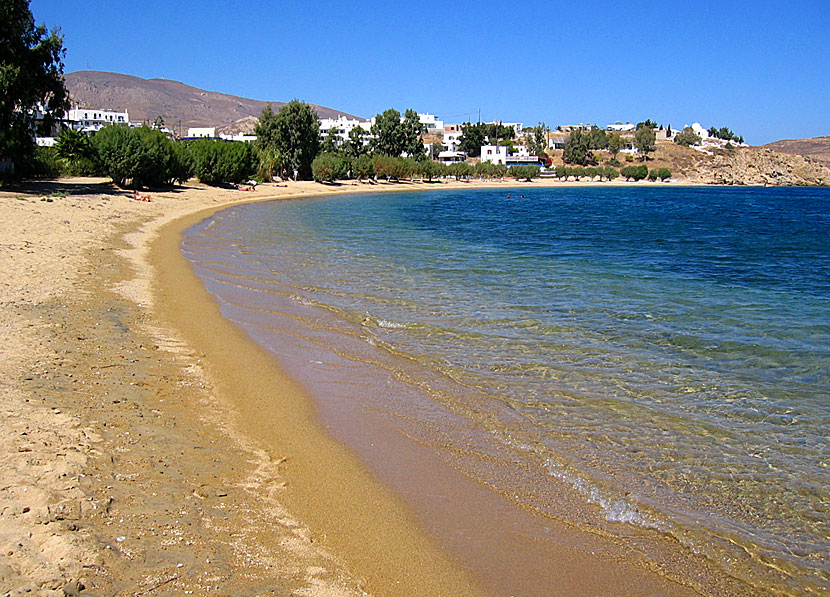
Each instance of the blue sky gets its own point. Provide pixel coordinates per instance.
(761, 68)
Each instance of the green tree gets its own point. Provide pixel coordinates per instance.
(362, 167)
(597, 138)
(524, 172)
(577, 149)
(218, 162)
(355, 146)
(687, 137)
(75, 150)
(411, 131)
(664, 174)
(473, 136)
(328, 167)
(388, 134)
(140, 157)
(31, 75)
(158, 123)
(331, 142)
(537, 143)
(634, 172)
(295, 132)
(647, 124)
(646, 141)
(615, 144)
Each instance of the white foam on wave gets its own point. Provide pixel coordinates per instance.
(295, 298)
(394, 325)
(616, 509)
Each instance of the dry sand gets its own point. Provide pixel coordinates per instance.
(128, 464)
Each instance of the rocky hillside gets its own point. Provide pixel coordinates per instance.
(817, 148)
(181, 106)
(733, 166)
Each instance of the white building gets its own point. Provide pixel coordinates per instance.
(620, 127)
(90, 120)
(451, 139)
(238, 137)
(343, 126)
(208, 132)
(431, 123)
(700, 131)
(497, 154)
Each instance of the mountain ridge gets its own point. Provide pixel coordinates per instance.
(180, 105)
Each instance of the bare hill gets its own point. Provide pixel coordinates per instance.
(181, 106)
(817, 148)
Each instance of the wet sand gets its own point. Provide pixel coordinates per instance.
(149, 446)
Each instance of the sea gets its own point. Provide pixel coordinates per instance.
(649, 358)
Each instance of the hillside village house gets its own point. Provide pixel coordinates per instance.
(91, 120)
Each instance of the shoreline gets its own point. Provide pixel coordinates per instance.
(244, 481)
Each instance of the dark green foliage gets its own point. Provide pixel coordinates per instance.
(611, 173)
(412, 129)
(44, 164)
(295, 133)
(664, 174)
(459, 170)
(355, 147)
(635, 172)
(330, 143)
(328, 167)
(476, 135)
(597, 138)
(725, 134)
(77, 155)
(524, 172)
(646, 141)
(222, 162)
(362, 167)
(140, 157)
(577, 149)
(652, 175)
(687, 137)
(388, 134)
(429, 169)
(537, 143)
(31, 70)
(647, 124)
(614, 144)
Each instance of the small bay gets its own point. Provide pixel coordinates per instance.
(662, 354)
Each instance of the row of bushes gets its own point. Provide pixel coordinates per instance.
(144, 157)
(328, 167)
(629, 172)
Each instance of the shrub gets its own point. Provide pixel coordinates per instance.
(652, 176)
(140, 157)
(328, 167)
(525, 172)
(362, 167)
(634, 172)
(664, 174)
(611, 173)
(222, 162)
(687, 137)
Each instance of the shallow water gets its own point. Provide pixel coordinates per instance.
(662, 353)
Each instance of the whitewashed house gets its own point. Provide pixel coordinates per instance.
(208, 132)
(91, 120)
(496, 154)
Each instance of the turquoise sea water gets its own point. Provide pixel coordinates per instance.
(663, 353)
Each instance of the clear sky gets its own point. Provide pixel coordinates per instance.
(761, 68)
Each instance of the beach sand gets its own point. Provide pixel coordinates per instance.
(148, 446)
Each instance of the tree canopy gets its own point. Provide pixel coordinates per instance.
(473, 136)
(294, 133)
(31, 74)
(394, 136)
(646, 141)
(687, 137)
(577, 149)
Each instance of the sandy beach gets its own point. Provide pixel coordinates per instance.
(138, 451)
